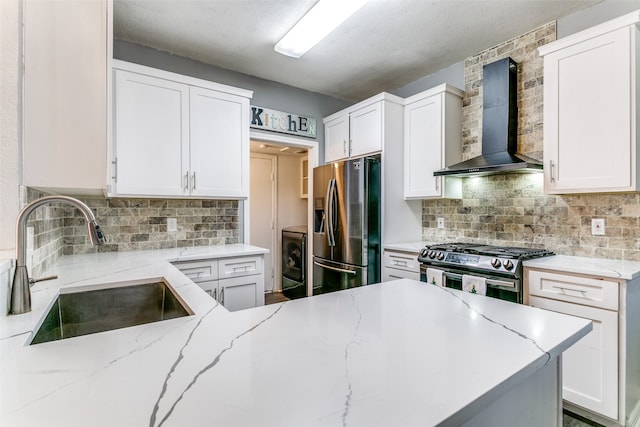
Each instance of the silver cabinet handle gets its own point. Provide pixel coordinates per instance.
(400, 262)
(186, 182)
(115, 170)
(552, 172)
(344, 146)
(215, 294)
(582, 291)
(222, 296)
(437, 182)
(193, 182)
(339, 270)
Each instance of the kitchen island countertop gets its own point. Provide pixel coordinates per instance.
(398, 353)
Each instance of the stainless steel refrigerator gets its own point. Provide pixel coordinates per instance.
(346, 229)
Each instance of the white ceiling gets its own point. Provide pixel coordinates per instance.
(383, 46)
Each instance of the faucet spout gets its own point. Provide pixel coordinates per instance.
(20, 290)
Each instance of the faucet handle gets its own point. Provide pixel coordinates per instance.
(42, 279)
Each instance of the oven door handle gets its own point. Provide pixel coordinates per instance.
(493, 282)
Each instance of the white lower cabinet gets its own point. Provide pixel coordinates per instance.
(400, 265)
(590, 367)
(600, 379)
(236, 283)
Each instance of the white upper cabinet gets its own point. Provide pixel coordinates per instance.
(176, 136)
(432, 141)
(336, 138)
(590, 107)
(365, 127)
(150, 143)
(358, 130)
(67, 60)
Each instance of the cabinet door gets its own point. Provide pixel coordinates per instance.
(211, 288)
(239, 293)
(151, 137)
(588, 145)
(365, 127)
(423, 148)
(219, 126)
(590, 367)
(336, 139)
(67, 54)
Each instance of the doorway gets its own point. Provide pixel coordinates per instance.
(294, 160)
(264, 197)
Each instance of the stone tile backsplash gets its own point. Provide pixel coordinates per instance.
(513, 210)
(130, 224)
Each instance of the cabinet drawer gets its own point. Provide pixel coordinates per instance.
(402, 261)
(234, 267)
(395, 274)
(198, 271)
(585, 290)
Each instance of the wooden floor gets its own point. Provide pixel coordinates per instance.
(568, 419)
(274, 297)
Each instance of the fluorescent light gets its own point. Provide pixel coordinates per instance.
(323, 18)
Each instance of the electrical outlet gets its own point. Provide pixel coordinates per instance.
(440, 222)
(172, 224)
(597, 226)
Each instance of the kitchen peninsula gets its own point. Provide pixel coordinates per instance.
(397, 353)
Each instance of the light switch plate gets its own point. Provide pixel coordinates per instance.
(440, 222)
(172, 224)
(597, 226)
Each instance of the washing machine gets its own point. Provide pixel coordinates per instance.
(294, 262)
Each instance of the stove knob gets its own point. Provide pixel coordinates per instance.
(440, 256)
(508, 264)
(432, 254)
(495, 262)
(424, 252)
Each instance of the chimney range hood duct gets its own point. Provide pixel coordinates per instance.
(499, 127)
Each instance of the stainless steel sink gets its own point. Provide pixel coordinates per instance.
(106, 308)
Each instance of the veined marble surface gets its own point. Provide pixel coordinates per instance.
(616, 269)
(401, 353)
(413, 247)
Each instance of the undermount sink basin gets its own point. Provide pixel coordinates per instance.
(109, 307)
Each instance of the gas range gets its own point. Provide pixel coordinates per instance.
(500, 268)
(504, 261)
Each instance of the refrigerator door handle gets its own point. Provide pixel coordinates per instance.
(329, 211)
(340, 270)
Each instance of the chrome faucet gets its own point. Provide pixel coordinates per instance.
(20, 289)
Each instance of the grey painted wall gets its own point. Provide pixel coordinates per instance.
(453, 75)
(601, 12)
(266, 93)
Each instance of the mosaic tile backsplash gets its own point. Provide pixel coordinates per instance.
(130, 224)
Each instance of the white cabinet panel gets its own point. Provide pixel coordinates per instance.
(336, 139)
(152, 143)
(365, 130)
(590, 140)
(593, 291)
(67, 59)
(244, 266)
(239, 293)
(432, 141)
(219, 144)
(590, 367)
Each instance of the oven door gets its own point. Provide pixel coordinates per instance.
(504, 288)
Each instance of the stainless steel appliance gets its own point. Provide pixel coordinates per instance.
(501, 267)
(346, 229)
(294, 262)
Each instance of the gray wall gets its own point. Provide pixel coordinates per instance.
(266, 93)
(453, 75)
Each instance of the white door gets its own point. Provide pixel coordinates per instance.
(263, 211)
(151, 135)
(219, 143)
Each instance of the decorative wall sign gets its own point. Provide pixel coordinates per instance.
(279, 121)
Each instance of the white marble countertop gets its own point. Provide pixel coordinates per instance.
(413, 247)
(401, 353)
(616, 269)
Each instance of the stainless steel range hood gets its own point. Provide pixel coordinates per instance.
(499, 127)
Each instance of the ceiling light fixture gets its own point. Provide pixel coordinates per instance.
(323, 18)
